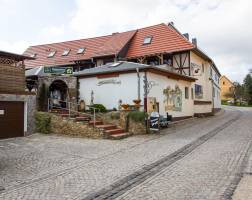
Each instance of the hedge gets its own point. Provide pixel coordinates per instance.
(137, 116)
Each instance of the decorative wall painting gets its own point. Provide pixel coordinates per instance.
(173, 99)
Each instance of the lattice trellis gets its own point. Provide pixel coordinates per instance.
(11, 62)
(6, 61)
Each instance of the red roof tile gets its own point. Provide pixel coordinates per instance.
(114, 44)
(98, 46)
(164, 39)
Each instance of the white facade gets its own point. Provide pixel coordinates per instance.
(108, 91)
(162, 83)
(215, 77)
(208, 79)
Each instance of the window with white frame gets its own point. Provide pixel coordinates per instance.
(186, 92)
(198, 91)
(147, 40)
(65, 52)
(51, 54)
(81, 50)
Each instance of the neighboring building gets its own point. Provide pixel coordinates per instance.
(227, 87)
(159, 45)
(17, 107)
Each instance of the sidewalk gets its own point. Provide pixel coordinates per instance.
(244, 188)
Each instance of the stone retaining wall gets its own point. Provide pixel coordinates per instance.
(71, 128)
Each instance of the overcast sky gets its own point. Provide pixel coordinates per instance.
(223, 27)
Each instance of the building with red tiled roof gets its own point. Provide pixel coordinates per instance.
(159, 45)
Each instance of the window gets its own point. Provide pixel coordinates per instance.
(198, 91)
(192, 93)
(34, 55)
(186, 93)
(223, 82)
(211, 72)
(203, 67)
(65, 52)
(147, 40)
(81, 50)
(51, 54)
(213, 92)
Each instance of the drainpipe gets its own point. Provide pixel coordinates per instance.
(211, 79)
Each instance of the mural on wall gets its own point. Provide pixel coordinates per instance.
(173, 99)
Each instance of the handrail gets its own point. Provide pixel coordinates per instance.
(90, 106)
(94, 116)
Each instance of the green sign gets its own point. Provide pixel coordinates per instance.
(58, 70)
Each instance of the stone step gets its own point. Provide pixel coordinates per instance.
(119, 136)
(97, 122)
(58, 111)
(106, 127)
(78, 119)
(114, 131)
(64, 115)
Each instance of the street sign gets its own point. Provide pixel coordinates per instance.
(58, 70)
(154, 121)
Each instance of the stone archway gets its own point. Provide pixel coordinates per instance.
(61, 82)
(58, 91)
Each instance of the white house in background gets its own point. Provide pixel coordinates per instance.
(169, 92)
(206, 87)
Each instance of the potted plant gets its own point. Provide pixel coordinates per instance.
(125, 106)
(137, 101)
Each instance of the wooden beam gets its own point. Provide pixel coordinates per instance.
(161, 59)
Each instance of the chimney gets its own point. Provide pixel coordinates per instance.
(115, 33)
(186, 35)
(171, 23)
(194, 41)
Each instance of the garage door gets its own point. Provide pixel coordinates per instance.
(11, 119)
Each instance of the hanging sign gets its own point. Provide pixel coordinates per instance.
(58, 70)
(154, 121)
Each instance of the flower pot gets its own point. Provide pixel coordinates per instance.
(125, 106)
(137, 101)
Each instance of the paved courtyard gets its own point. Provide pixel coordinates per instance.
(200, 159)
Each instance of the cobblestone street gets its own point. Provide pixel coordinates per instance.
(199, 159)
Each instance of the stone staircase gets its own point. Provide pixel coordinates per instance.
(109, 131)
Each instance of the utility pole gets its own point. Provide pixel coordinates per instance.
(138, 84)
(145, 91)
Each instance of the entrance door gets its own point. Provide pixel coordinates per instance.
(11, 119)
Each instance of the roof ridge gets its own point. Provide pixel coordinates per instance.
(88, 38)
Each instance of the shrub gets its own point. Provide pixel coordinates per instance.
(137, 116)
(100, 107)
(43, 122)
(115, 115)
(224, 102)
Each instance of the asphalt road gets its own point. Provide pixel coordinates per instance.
(200, 159)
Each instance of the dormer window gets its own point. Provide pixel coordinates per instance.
(65, 52)
(51, 54)
(81, 50)
(34, 55)
(147, 40)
